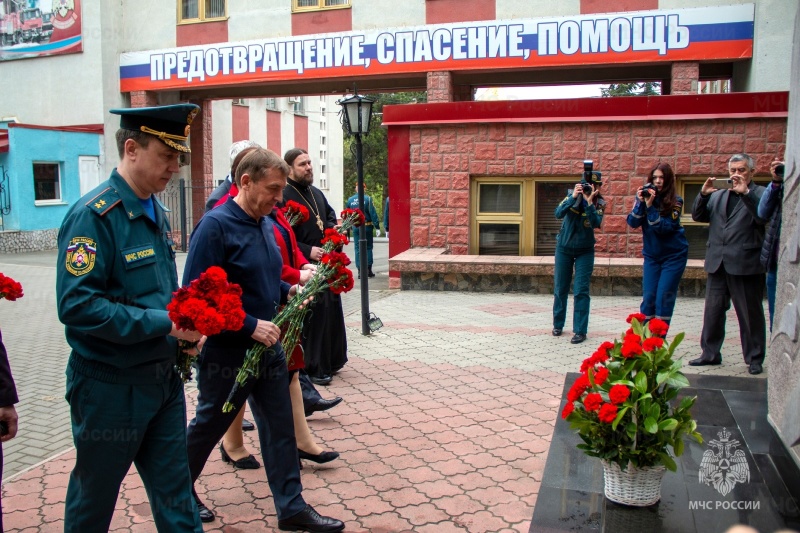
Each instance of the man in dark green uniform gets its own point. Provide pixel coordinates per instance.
(115, 276)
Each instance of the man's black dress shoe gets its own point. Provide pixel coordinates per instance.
(320, 380)
(206, 514)
(755, 368)
(248, 463)
(323, 405)
(370, 273)
(556, 332)
(578, 338)
(310, 520)
(703, 362)
(247, 425)
(324, 457)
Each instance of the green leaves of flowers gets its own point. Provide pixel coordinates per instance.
(650, 422)
(640, 382)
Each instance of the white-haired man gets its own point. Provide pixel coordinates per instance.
(733, 265)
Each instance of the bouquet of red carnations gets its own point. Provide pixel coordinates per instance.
(295, 213)
(209, 305)
(351, 218)
(332, 273)
(9, 289)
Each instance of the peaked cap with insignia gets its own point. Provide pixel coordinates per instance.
(170, 123)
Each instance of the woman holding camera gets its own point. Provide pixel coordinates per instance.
(658, 212)
(582, 212)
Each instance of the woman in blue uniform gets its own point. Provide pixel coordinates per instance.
(658, 212)
(582, 212)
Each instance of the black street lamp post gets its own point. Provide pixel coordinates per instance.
(356, 117)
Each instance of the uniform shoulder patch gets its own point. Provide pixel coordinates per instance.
(105, 201)
(81, 254)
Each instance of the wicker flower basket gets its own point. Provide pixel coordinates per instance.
(638, 487)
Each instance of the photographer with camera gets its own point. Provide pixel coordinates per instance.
(658, 212)
(582, 212)
(769, 208)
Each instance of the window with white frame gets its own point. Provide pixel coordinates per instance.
(201, 10)
(46, 182)
(316, 5)
(323, 176)
(297, 104)
(272, 104)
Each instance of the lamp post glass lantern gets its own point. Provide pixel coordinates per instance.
(356, 116)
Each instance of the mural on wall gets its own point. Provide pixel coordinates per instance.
(39, 28)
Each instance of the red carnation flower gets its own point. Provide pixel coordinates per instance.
(606, 347)
(658, 327)
(638, 316)
(578, 388)
(608, 412)
(568, 408)
(631, 349)
(335, 239)
(9, 288)
(354, 216)
(295, 212)
(600, 375)
(652, 343)
(632, 337)
(592, 402)
(619, 393)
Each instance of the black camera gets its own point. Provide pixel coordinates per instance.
(591, 178)
(649, 190)
(779, 170)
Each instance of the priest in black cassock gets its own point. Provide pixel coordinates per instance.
(324, 338)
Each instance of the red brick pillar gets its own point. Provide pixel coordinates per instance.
(144, 99)
(684, 78)
(440, 87)
(200, 142)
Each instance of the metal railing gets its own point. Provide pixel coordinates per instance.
(186, 204)
(5, 196)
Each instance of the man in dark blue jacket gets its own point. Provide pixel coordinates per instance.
(238, 237)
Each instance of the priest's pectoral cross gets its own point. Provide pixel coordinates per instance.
(320, 225)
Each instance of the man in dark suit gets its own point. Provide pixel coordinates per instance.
(735, 272)
(8, 414)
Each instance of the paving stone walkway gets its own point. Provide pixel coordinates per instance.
(446, 424)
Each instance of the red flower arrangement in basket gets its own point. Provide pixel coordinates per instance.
(9, 288)
(210, 305)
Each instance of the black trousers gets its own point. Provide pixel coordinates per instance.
(747, 294)
(268, 396)
(311, 396)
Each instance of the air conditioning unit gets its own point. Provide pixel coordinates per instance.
(294, 100)
(240, 101)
